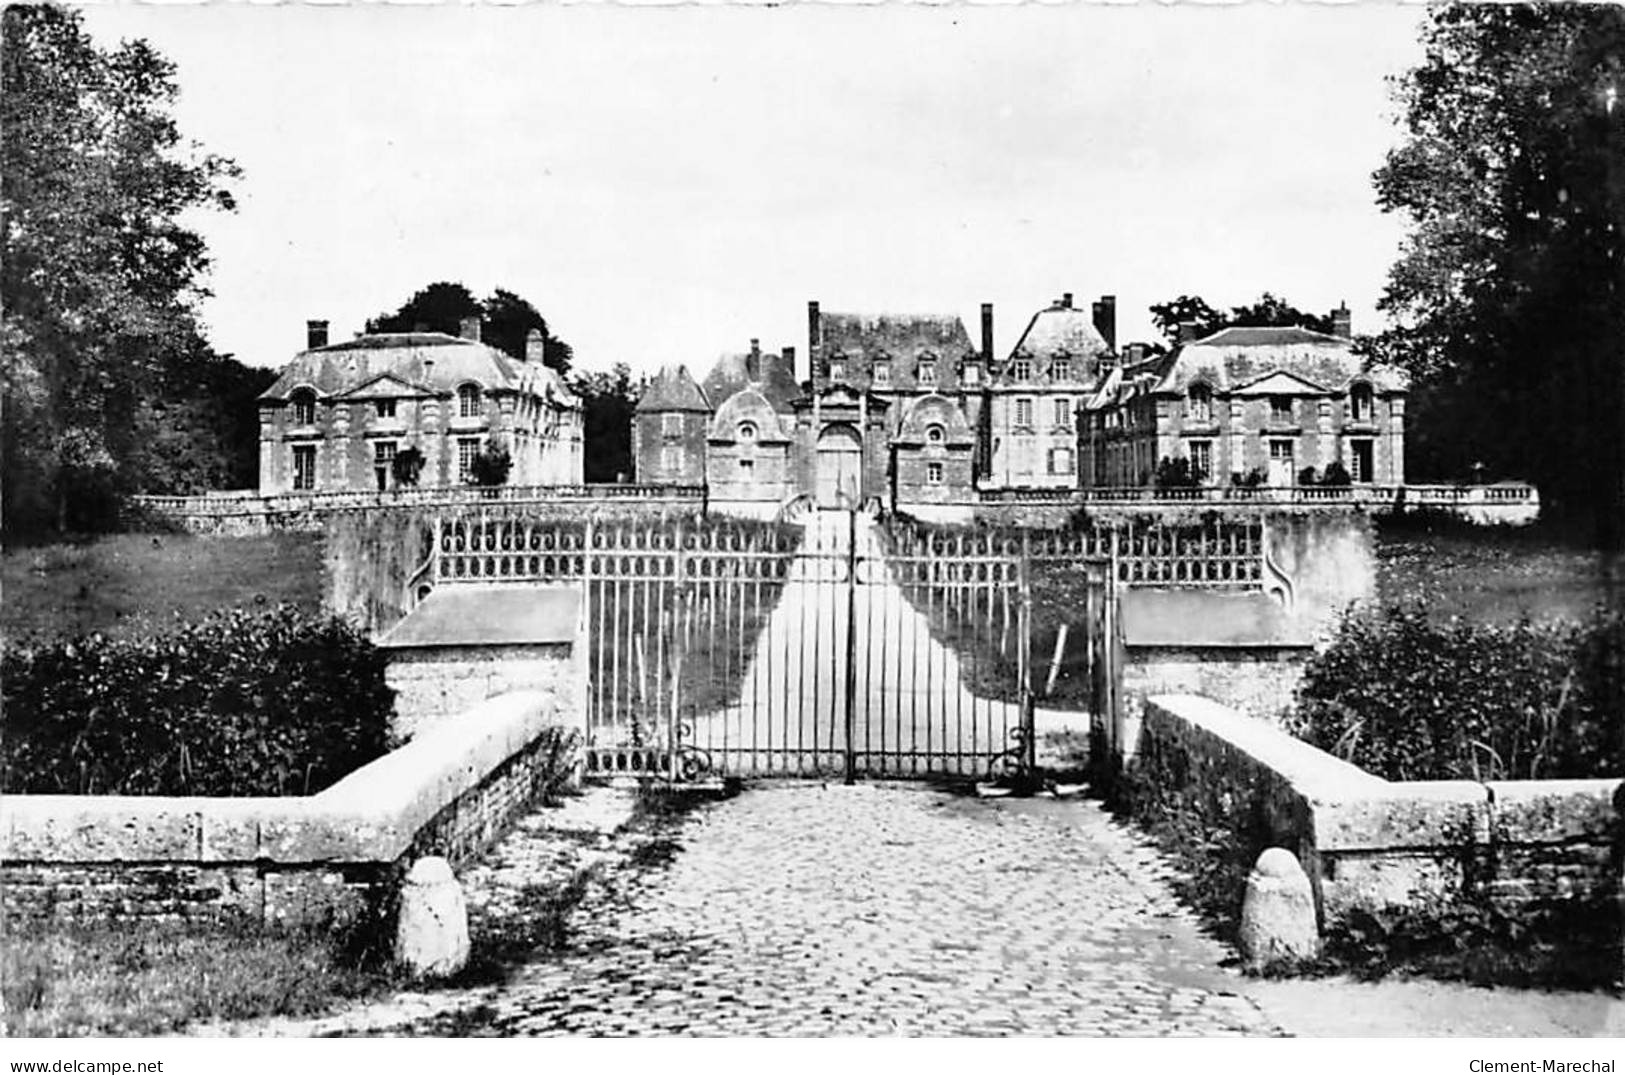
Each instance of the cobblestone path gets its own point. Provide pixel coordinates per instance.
(869, 910)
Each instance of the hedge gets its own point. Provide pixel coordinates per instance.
(274, 702)
(1410, 699)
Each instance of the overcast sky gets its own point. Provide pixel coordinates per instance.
(666, 183)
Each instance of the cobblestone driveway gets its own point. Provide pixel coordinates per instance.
(869, 910)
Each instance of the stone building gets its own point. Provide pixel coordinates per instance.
(1035, 394)
(1271, 401)
(339, 413)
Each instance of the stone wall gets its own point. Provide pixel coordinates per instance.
(1549, 847)
(439, 683)
(326, 859)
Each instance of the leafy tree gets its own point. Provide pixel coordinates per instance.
(609, 399)
(1336, 474)
(1508, 287)
(491, 465)
(506, 320)
(407, 467)
(98, 272)
(1308, 476)
(1168, 316)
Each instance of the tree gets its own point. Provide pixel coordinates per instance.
(406, 467)
(1269, 311)
(609, 400)
(99, 275)
(1508, 287)
(506, 320)
(1168, 316)
(491, 465)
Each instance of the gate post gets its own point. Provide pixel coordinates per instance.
(851, 643)
(1024, 627)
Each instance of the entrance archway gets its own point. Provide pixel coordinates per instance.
(840, 467)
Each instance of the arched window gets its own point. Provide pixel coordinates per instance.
(470, 401)
(304, 407)
(935, 434)
(1200, 407)
(1360, 403)
(747, 431)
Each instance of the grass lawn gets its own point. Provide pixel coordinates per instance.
(1492, 574)
(116, 582)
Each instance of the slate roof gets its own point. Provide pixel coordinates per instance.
(493, 614)
(898, 335)
(1233, 358)
(673, 389)
(429, 363)
(1061, 330)
(731, 373)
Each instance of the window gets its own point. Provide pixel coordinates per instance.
(882, 373)
(304, 466)
(935, 434)
(747, 469)
(747, 431)
(1360, 456)
(1024, 413)
(470, 403)
(383, 461)
(1063, 413)
(671, 425)
(1060, 461)
(1199, 407)
(467, 449)
(671, 460)
(837, 371)
(384, 408)
(304, 408)
(933, 474)
(928, 372)
(1061, 369)
(1360, 403)
(972, 373)
(1281, 409)
(1201, 459)
(1021, 370)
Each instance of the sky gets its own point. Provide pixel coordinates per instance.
(666, 183)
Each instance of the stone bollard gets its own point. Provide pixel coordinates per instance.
(431, 936)
(1278, 912)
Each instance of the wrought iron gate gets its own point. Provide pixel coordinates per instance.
(834, 648)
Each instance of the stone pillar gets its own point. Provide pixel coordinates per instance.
(1278, 912)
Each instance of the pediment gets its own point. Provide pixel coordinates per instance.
(383, 386)
(1278, 383)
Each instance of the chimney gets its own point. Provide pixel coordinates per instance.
(1106, 320)
(470, 329)
(1136, 352)
(815, 328)
(789, 361)
(1342, 323)
(1064, 302)
(1187, 331)
(987, 333)
(753, 362)
(535, 346)
(315, 334)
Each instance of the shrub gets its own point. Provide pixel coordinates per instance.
(1177, 473)
(269, 703)
(1336, 474)
(1308, 476)
(1408, 699)
(491, 465)
(407, 466)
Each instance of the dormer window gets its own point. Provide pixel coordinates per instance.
(1061, 369)
(1021, 370)
(928, 371)
(747, 432)
(935, 434)
(1360, 403)
(1199, 405)
(304, 407)
(972, 373)
(470, 401)
(882, 374)
(837, 370)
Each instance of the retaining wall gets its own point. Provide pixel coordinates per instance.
(325, 859)
(1522, 847)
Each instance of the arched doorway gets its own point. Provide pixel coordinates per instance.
(840, 467)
